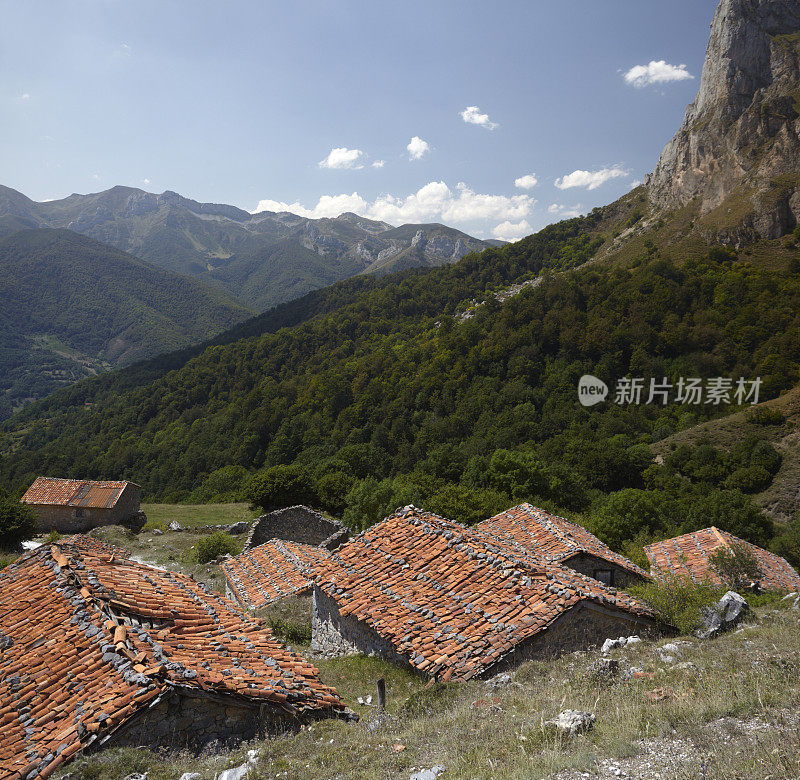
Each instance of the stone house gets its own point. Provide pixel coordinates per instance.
(558, 540)
(99, 650)
(687, 557)
(268, 573)
(297, 524)
(458, 603)
(76, 505)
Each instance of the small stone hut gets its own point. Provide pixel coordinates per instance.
(76, 505)
(99, 650)
(297, 524)
(558, 540)
(457, 603)
(268, 573)
(687, 557)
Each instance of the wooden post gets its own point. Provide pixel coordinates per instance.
(382, 694)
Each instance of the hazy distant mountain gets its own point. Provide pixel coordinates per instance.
(71, 307)
(262, 259)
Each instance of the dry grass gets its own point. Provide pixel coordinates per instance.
(724, 716)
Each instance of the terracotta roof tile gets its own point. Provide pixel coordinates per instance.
(53, 491)
(77, 659)
(687, 557)
(271, 571)
(453, 600)
(553, 538)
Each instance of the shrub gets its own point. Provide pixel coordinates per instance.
(736, 566)
(766, 415)
(753, 479)
(721, 253)
(214, 545)
(332, 490)
(733, 512)
(17, 523)
(280, 486)
(290, 630)
(53, 537)
(627, 513)
(221, 486)
(679, 602)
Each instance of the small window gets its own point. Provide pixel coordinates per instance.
(78, 513)
(606, 576)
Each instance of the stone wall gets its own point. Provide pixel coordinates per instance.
(332, 634)
(589, 565)
(182, 720)
(297, 524)
(584, 626)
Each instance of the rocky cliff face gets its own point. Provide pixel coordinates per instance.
(742, 132)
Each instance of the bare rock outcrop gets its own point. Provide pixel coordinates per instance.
(741, 135)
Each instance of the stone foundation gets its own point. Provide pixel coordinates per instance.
(192, 720)
(332, 634)
(584, 626)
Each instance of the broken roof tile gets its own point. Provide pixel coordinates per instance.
(686, 557)
(271, 571)
(53, 633)
(554, 538)
(434, 588)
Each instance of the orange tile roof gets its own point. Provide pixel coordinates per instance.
(551, 537)
(687, 557)
(453, 600)
(76, 661)
(54, 491)
(271, 571)
(90, 544)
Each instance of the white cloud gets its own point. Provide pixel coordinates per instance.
(589, 179)
(379, 163)
(25, 96)
(434, 201)
(342, 158)
(146, 181)
(565, 212)
(417, 148)
(327, 206)
(472, 116)
(526, 182)
(510, 231)
(656, 72)
(635, 183)
(95, 175)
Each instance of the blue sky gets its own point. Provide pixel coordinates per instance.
(313, 105)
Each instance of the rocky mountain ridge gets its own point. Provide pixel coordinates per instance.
(263, 259)
(740, 137)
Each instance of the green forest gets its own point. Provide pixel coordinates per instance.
(73, 307)
(384, 398)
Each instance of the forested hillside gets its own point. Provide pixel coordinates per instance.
(71, 307)
(463, 417)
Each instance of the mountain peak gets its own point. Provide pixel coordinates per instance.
(743, 128)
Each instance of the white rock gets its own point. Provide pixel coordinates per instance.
(190, 776)
(572, 721)
(428, 774)
(237, 773)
